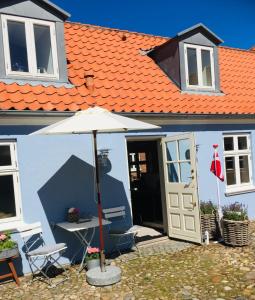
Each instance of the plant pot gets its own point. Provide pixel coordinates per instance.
(73, 217)
(6, 253)
(209, 222)
(236, 233)
(93, 263)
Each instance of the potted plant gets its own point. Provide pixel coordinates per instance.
(209, 219)
(92, 258)
(8, 247)
(235, 224)
(73, 215)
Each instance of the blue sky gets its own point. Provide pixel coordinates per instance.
(231, 20)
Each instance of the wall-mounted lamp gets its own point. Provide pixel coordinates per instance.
(103, 157)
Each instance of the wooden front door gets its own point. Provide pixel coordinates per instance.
(182, 205)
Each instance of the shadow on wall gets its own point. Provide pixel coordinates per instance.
(73, 186)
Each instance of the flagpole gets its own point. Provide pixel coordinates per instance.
(220, 214)
(217, 183)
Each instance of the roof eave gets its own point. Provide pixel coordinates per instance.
(216, 38)
(141, 114)
(64, 13)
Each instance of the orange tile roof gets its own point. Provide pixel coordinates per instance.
(127, 81)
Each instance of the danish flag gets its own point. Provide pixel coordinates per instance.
(216, 164)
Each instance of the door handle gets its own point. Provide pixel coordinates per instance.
(191, 177)
(194, 203)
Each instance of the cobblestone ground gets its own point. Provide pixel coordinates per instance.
(169, 270)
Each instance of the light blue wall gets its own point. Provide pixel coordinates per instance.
(206, 180)
(56, 172)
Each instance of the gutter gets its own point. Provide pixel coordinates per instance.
(29, 113)
(44, 118)
(191, 116)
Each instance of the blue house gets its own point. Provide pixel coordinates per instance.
(199, 92)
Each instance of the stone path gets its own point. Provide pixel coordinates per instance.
(170, 270)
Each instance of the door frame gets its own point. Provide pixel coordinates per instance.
(158, 139)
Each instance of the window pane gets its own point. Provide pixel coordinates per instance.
(7, 203)
(142, 156)
(192, 66)
(206, 67)
(242, 142)
(230, 170)
(5, 156)
(171, 151)
(244, 169)
(173, 173)
(228, 143)
(17, 46)
(43, 49)
(185, 171)
(184, 149)
(143, 168)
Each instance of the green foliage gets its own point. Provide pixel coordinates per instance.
(92, 256)
(207, 207)
(92, 253)
(6, 242)
(235, 211)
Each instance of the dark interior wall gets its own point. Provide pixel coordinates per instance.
(145, 190)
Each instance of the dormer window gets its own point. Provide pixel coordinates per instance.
(30, 47)
(199, 67)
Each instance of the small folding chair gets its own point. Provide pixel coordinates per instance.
(123, 234)
(42, 258)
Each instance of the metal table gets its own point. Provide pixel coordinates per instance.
(85, 232)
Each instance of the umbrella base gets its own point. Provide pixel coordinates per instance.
(111, 276)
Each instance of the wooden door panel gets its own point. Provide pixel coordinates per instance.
(181, 187)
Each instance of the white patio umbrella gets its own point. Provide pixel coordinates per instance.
(94, 120)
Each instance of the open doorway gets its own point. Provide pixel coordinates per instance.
(143, 162)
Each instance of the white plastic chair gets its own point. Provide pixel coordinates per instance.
(121, 235)
(41, 257)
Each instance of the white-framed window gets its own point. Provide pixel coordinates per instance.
(10, 203)
(199, 67)
(30, 47)
(238, 162)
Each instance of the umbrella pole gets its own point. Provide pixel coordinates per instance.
(99, 205)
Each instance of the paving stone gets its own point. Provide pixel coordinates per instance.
(169, 270)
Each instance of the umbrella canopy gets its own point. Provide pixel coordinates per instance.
(95, 120)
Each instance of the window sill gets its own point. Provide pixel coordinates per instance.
(250, 189)
(11, 225)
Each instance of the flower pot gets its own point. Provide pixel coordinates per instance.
(93, 263)
(6, 253)
(209, 222)
(236, 233)
(73, 217)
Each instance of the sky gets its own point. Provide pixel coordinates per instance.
(232, 20)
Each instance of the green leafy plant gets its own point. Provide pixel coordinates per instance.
(235, 211)
(207, 207)
(6, 242)
(93, 253)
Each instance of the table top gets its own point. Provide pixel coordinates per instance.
(94, 222)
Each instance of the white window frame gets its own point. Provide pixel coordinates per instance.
(9, 223)
(239, 187)
(31, 52)
(200, 84)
